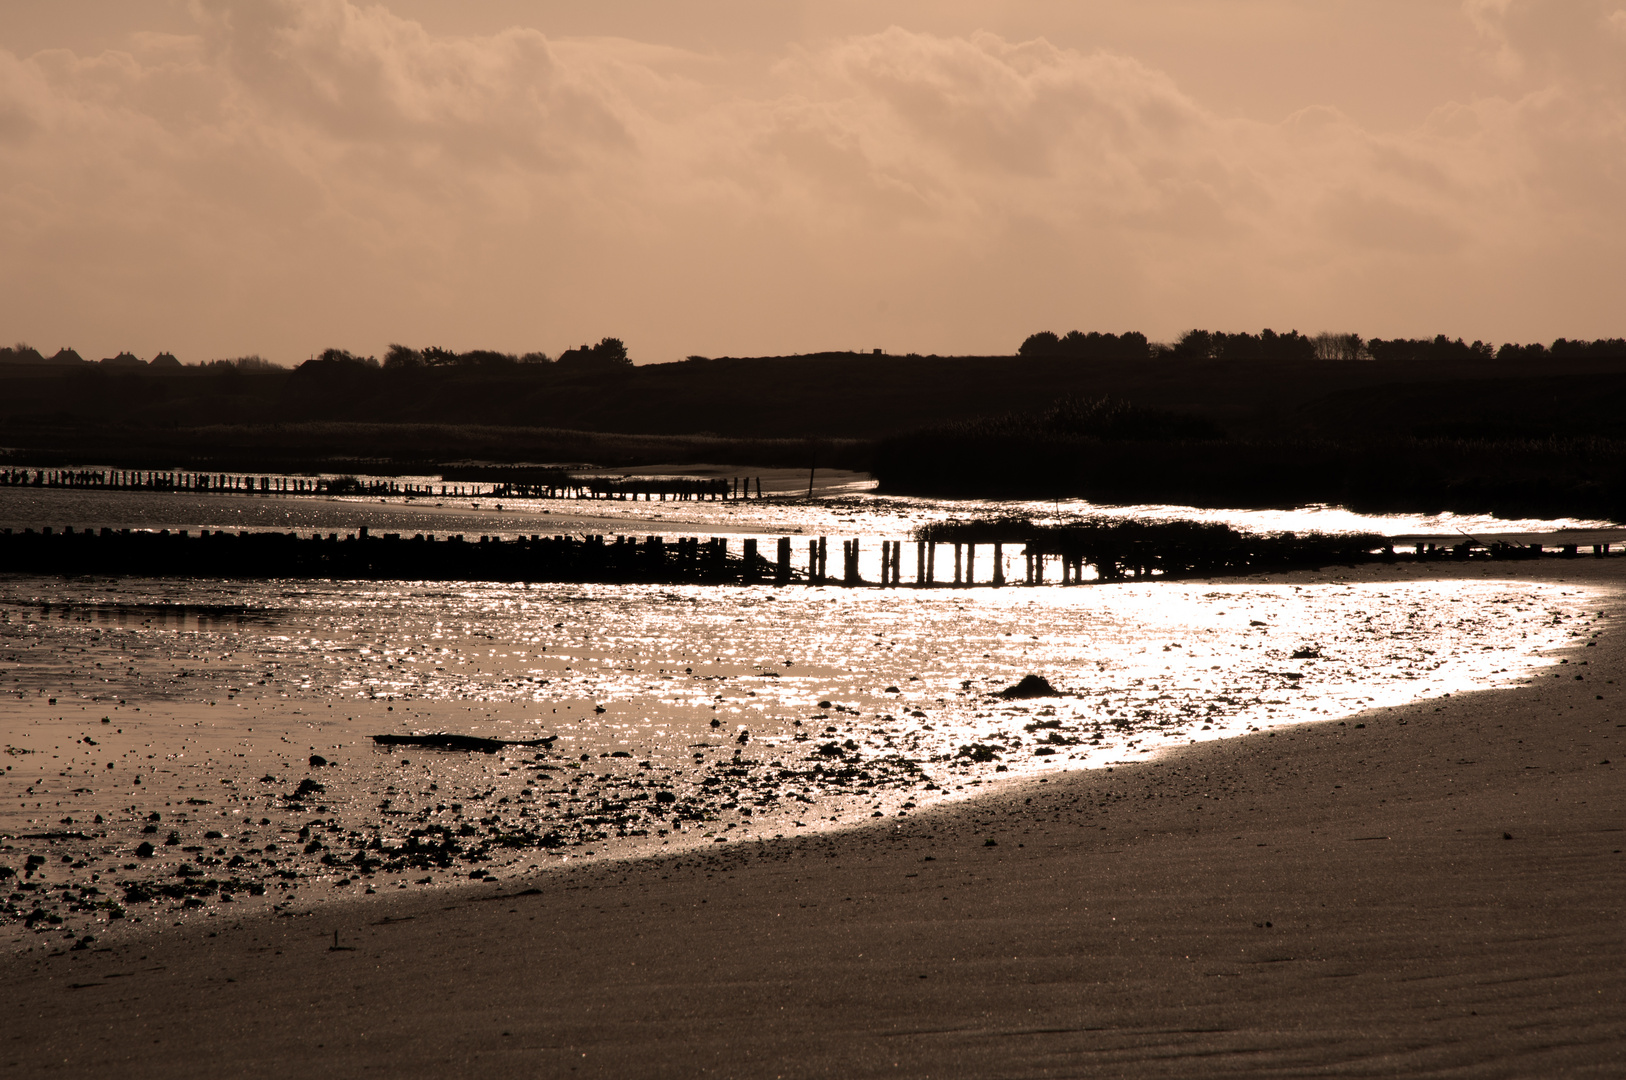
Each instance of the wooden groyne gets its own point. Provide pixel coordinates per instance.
(359, 555)
(1060, 557)
(550, 485)
(1109, 550)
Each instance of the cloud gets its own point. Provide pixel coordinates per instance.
(297, 173)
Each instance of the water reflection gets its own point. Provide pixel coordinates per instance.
(855, 514)
(647, 669)
(678, 715)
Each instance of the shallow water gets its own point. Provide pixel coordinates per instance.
(677, 715)
(848, 513)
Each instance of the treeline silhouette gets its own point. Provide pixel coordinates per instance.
(1490, 439)
(1215, 418)
(1293, 346)
(610, 352)
(1129, 347)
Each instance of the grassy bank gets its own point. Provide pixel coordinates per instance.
(469, 450)
(1548, 478)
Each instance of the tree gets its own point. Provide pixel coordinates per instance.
(1338, 346)
(1044, 343)
(1195, 345)
(401, 358)
(612, 350)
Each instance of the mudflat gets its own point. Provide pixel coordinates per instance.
(1432, 890)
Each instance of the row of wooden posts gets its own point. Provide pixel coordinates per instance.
(624, 559)
(965, 565)
(218, 483)
(564, 558)
(649, 489)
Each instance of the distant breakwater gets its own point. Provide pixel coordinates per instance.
(521, 484)
(1084, 554)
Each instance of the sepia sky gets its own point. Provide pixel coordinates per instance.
(221, 177)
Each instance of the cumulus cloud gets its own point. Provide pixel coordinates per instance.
(304, 172)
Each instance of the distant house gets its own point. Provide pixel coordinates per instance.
(20, 354)
(66, 356)
(123, 359)
(165, 361)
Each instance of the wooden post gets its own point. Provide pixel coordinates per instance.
(886, 561)
(1038, 568)
(782, 571)
(999, 564)
(957, 564)
(812, 562)
(931, 562)
(824, 559)
(971, 564)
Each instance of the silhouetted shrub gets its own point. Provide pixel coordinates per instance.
(401, 358)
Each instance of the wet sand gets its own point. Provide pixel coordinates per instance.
(1437, 892)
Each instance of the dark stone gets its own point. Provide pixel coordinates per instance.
(317, 761)
(1031, 686)
(443, 741)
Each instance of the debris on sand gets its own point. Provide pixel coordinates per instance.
(1031, 686)
(443, 741)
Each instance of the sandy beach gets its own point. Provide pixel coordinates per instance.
(1427, 890)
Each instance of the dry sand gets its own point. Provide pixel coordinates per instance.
(1437, 892)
